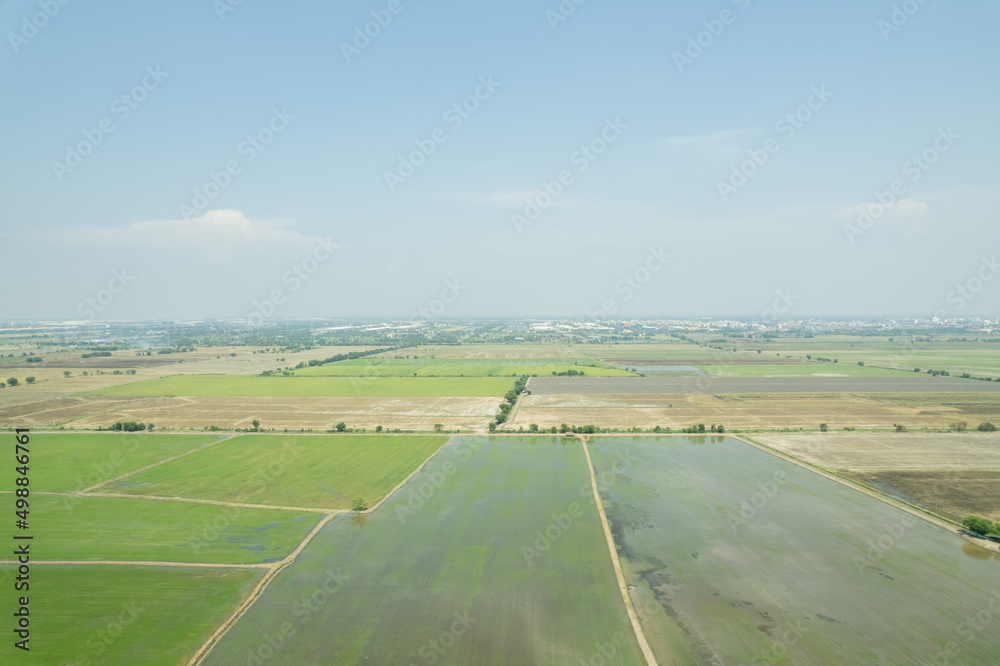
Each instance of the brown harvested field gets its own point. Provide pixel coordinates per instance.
(950, 493)
(951, 474)
(304, 412)
(757, 410)
(215, 360)
(57, 411)
(890, 451)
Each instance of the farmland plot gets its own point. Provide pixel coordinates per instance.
(455, 568)
(94, 614)
(310, 471)
(736, 556)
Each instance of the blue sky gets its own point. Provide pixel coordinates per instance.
(309, 135)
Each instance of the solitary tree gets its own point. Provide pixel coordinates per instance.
(256, 424)
(67, 373)
(378, 428)
(977, 525)
(533, 427)
(341, 427)
(438, 427)
(823, 427)
(986, 426)
(30, 380)
(12, 381)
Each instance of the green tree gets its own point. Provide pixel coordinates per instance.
(986, 426)
(977, 525)
(533, 427)
(256, 424)
(438, 427)
(30, 380)
(823, 427)
(67, 374)
(378, 428)
(341, 427)
(359, 504)
(493, 426)
(12, 381)
(149, 427)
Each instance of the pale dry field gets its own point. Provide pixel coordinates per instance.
(890, 451)
(298, 412)
(787, 410)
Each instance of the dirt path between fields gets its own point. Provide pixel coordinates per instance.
(632, 615)
(258, 590)
(241, 505)
(143, 469)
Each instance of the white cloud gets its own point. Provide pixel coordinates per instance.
(216, 230)
(900, 210)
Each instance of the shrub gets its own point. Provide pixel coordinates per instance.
(359, 504)
(823, 427)
(977, 525)
(986, 426)
(959, 426)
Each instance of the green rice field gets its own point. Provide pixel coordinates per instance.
(67, 462)
(455, 569)
(736, 556)
(96, 528)
(94, 614)
(312, 471)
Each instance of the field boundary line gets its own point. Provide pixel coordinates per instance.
(623, 587)
(412, 474)
(191, 500)
(254, 595)
(146, 563)
(166, 460)
(909, 508)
